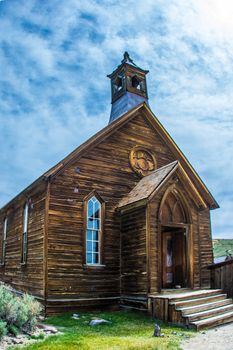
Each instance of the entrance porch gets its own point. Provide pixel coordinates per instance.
(202, 308)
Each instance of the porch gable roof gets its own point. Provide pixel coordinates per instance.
(149, 185)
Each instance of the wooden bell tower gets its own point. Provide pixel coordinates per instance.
(128, 86)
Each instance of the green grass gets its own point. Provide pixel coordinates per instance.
(128, 331)
(221, 245)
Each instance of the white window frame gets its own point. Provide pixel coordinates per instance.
(4, 238)
(93, 231)
(25, 234)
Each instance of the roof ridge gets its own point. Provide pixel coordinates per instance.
(149, 188)
(175, 162)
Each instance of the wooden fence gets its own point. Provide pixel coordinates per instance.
(222, 276)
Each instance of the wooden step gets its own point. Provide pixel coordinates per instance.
(198, 316)
(213, 321)
(202, 307)
(193, 294)
(198, 301)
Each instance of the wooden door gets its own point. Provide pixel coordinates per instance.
(174, 259)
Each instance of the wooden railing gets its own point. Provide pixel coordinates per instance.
(222, 276)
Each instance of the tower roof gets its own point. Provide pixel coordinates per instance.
(127, 60)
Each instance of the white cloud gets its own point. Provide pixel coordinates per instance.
(54, 92)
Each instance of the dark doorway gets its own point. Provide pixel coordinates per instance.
(174, 258)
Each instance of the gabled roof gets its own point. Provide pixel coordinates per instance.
(151, 184)
(148, 184)
(144, 110)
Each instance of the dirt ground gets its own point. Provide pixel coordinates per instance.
(219, 338)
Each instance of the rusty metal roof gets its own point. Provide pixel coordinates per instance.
(148, 184)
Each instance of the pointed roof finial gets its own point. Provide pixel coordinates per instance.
(127, 59)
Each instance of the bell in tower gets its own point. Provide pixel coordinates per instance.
(128, 85)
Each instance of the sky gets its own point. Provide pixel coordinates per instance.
(54, 93)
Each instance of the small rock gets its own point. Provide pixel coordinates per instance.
(41, 326)
(157, 331)
(50, 329)
(75, 316)
(97, 322)
(17, 341)
(175, 333)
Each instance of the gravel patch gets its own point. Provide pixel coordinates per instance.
(219, 338)
(26, 339)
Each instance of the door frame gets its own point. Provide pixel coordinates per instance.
(189, 251)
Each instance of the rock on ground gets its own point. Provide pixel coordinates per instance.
(23, 339)
(99, 321)
(219, 338)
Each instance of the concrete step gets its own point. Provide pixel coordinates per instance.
(198, 301)
(198, 316)
(203, 307)
(213, 321)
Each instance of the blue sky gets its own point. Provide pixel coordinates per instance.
(54, 94)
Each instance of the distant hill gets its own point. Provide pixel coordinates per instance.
(221, 245)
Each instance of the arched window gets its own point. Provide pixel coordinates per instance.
(118, 83)
(25, 235)
(93, 231)
(138, 83)
(4, 237)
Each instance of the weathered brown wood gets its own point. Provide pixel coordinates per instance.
(131, 238)
(105, 169)
(222, 276)
(194, 309)
(133, 253)
(28, 277)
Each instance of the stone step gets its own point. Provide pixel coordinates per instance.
(198, 316)
(202, 307)
(198, 301)
(213, 321)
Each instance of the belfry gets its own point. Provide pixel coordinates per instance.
(128, 87)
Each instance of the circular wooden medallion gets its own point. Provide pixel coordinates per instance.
(142, 161)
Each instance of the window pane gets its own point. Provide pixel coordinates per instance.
(96, 224)
(95, 247)
(95, 235)
(97, 211)
(94, 199)
(89, 235)
(89, 258)
(5, 229)
(95, 258)
(25, 219)
(90, 208)
(25, 252)
(90, 223)
(89, 246)
(3, 251)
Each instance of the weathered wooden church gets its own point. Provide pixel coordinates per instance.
(122, 220)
